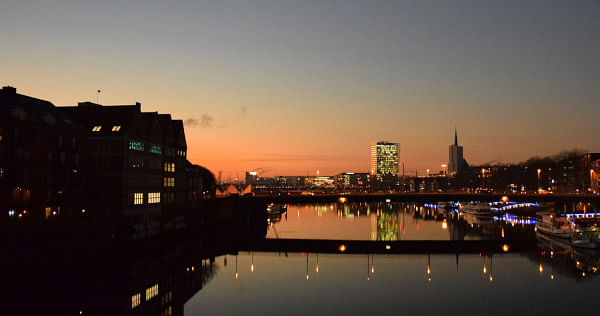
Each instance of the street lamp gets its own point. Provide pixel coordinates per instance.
(444, 168)
(539, 171)
(591, 179)
(482, 178)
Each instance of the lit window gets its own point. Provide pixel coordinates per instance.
(138, 198)
(155, 149)
(135, 300)
(169, 167)
(116, 128)
(153, 197)
(136, 145)
(96, 128)
(151, 292)
(169, 182)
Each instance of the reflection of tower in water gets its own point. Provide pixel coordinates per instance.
(385, 224)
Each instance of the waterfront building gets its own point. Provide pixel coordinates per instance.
(353, 181)
(117, 167)
(137, 163)
(384, 162)
(42, 170)
(455, 160)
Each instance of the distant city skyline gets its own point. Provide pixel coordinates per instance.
(295, 87)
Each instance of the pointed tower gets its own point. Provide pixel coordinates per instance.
(455, 156)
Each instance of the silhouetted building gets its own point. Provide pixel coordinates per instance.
(353, 181)
(455, 158)
(42, 170)
(137, 166)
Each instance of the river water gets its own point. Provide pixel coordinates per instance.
(550, 279)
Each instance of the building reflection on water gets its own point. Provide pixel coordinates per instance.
(396, 221)
(160, 278)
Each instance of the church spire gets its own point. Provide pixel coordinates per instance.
(455, 137)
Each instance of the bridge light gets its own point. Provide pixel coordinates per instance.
(388, 247)
(342, 248)
(505, 248)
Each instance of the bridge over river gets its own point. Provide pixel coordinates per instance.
(389, 247)
(423, 197)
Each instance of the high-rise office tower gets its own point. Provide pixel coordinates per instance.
(455, 157)
(384, 159)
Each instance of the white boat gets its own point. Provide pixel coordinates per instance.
(586, 233)
(552, 225)
(479, 209)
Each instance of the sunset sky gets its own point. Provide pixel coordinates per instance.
(299, 86)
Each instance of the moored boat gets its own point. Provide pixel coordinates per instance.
(586, 233)
(479, 209)
(552, 225)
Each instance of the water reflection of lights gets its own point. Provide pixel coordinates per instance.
(252, 263)
(541, 268)
(512, 219)
(237, 275)
(307, 276)
(491, 268)
(484, 267)
(429, 268)
(444, 224)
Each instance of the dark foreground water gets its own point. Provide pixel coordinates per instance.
(222, 273)
(391, 285)
(550, 278)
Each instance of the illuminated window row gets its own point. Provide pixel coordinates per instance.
(98, 128)
(151, 292)
(138, 198)
(135, 300)
(181, 153)
(153, 197)
(167, 298)
(168, 311)
(169, 182)
(155, 149)
(136, 145)
(169, 167)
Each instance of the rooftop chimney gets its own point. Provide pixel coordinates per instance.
(8, 90)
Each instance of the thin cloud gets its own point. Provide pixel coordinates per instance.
(204, 121)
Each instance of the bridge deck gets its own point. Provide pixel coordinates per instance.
(388, 247)
(421, 197)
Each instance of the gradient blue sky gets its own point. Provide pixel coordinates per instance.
(300, 86)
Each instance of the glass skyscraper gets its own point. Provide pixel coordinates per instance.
(384, 159)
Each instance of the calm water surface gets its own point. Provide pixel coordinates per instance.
(551, 279)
